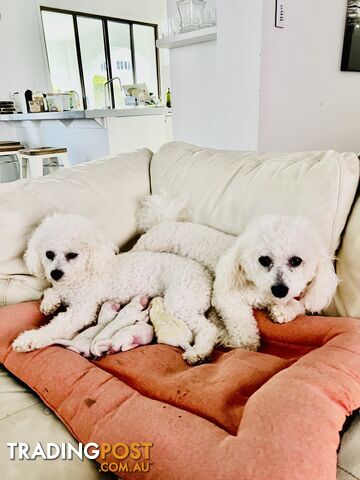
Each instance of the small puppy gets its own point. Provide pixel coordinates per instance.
(81, 343)
(113, 327)
(278, 263)
(169, 329)
(84, 271)
(135, 313)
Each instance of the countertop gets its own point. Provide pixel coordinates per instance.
(86, 114)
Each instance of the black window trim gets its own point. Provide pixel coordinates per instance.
(104, 20)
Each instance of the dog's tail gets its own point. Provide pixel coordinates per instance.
(159, 208)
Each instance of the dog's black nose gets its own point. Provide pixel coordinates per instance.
(280, 290)
(56, 275)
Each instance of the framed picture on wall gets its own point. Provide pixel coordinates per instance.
(350, 61)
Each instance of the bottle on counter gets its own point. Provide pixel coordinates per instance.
(28, 99)
(46, 106)
(168, 98)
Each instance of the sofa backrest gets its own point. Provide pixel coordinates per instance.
(226, 189)
(107, 191)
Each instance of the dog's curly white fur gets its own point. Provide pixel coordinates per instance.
(84, 271)
(278, 263)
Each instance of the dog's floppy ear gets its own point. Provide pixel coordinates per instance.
(32, 256)
(322, 288)
(229, 271)
(101, 249)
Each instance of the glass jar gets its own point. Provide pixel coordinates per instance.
(209, 14)
(190, 12)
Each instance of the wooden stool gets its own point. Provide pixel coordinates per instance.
(11, 149)
(35, 159)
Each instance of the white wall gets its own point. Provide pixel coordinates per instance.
(238, 73)
(306, 101)
(292, 97)
(151, 11)
(22, 61)
(216, 99)
(193, 84)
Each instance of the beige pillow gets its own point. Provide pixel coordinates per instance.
(107, 191)
(227, 189)
(347, 298)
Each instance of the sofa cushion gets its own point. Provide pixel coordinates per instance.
(246, 415)
(25, 418)
(226, 189)
(107, 191)
(347, 298)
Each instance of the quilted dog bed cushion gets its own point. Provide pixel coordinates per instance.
(270, 415)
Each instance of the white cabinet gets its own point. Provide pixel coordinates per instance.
(129, 133)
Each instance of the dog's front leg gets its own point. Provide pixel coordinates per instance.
(287, 312)
(65, 325)
(238, 319)
(50, 302)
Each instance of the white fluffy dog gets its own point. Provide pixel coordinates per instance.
(278, 263)
(84, 271)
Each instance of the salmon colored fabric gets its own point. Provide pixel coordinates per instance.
(272, 415)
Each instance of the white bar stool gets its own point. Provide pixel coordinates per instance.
(35, 159)
(11, 149)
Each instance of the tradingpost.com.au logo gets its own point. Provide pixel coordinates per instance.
(130, 457)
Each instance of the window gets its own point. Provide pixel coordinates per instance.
(145, 56)
(61, 51)
(85, 51)
(120, 55)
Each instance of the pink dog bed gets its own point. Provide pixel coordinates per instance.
(273, 415)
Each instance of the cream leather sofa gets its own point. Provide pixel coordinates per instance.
(225, 190)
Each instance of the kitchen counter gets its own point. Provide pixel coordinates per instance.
(87, 114)
(92, 134)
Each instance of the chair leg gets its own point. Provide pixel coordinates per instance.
(36, 166)
(65, 160)
(20, 162)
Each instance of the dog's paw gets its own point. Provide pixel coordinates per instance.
(48, 308)
(280, 315)
(101, 347)
(28, 341)
(252, 345)
(193, 357)
(248, 342)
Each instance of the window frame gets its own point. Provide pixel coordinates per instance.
(104, 20)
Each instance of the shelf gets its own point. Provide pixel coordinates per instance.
(86, 114)
(189, 38)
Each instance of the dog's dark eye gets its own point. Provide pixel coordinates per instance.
(71, 256)
(295, 261)
(50, 255)
(265, 261)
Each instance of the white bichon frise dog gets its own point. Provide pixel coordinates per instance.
(81, 265)
(278, 263)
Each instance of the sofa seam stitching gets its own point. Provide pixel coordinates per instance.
(5, 292)
(349, 473)
(337, 211)
(19, 411)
